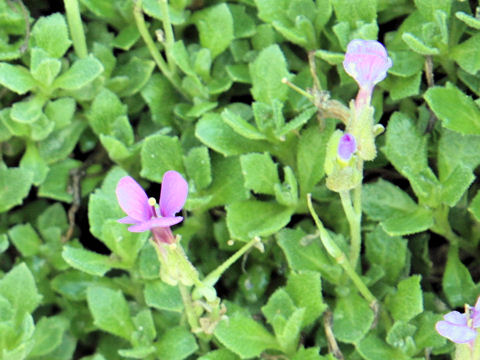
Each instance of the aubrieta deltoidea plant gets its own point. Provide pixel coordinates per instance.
(341, 138)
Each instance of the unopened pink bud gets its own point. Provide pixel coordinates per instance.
(346, 147)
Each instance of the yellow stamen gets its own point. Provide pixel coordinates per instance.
(152, 201)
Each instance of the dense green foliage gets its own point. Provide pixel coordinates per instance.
(141, 87)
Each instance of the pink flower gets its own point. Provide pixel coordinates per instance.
(346, 147)
(142, 211)
(367, 62)
(460, 328)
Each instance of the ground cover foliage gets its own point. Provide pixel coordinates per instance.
(91, 92)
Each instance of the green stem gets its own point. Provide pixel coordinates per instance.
(189, 308)
(339, 256)
(168, 30)
(442, 227)
(355, 228)
(157, 57)
(213, 277)
(76, 28)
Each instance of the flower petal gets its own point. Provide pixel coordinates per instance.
(367, 62)
(155, 222)
(456, 318)
(127, 220)
(133, 200)
(173, 194)
(456, 333)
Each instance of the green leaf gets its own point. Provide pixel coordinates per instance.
(3, 243)
(160, 153)
(426, 335)
(163, 296)
(410, 223)
(389, 252)
(402, 135)
(403, 87)
(215, 26)
(467, 54)
(271, 10)
(48, 335)
(305, 288)
(19, 288)
(123, 243)
(457, 282)
(243, 24)
(43, 67)
(455, 149)
(311, 152)
(305, 253)
(279, 304)
(57, 183)
(61, 111)
(213, 132)
(158, 87)
(73, 284)
(399, 214)
(28, 111)
(139, 352)
(298, 121)
(25, 239)
(474, 207)
(354, 11)
(244, 336)
(15, 184)
(457, 111)
(110, 311)
(267, 72)
(407, 302)
(176, 344)
(16, 78)
(82, 72)
(309, 354)
(373, 348)
(455, 185)
(352, 318)
(400, 335)
(260, 172)
(60, 143)
(197, 164)
(51, 34)
(241, 126)
(33, 162)
(227, 182)
(86, 260)
(405, 63)
(221, 354)
(127, 37)
(136, 72)
(418, 45)
(107, 116)
(270, 218)
(471, 21)
(428, 7)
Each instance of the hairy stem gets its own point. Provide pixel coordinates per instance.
(76, 28)
(334, 251)
(213, 277)
(157, 57)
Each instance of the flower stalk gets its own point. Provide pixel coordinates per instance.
(76, 28)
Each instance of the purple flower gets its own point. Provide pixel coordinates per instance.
(142, 211)
(367, 62)
(460, 328)
(346, 147)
